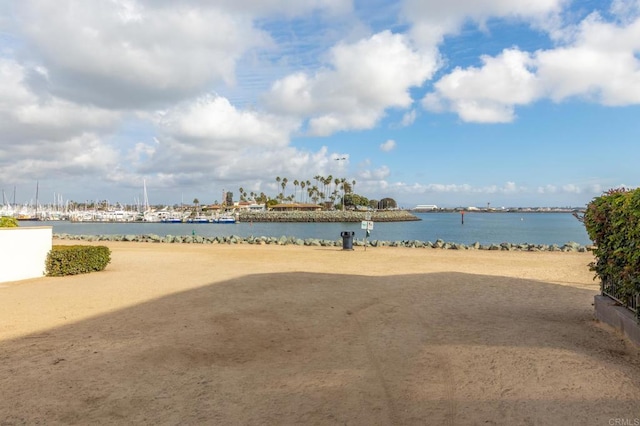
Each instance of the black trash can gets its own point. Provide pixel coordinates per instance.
(347, 240)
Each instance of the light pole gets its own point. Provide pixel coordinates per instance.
(341, 159)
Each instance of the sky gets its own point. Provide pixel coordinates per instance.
(456, 103)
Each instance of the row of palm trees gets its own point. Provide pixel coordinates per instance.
(321, 190)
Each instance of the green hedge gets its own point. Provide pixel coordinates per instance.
(613, 224)
(73, 260)
(8, 222)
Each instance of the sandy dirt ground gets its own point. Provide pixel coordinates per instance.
(279, 335)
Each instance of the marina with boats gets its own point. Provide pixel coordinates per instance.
(103, 211)
(118, 214)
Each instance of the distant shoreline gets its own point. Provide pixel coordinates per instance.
(375, 215)
(350, 216)
(508, 210)
(328, 216)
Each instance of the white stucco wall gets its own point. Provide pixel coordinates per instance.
(23, 252)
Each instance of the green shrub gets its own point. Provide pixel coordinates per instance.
(73, 260)
(613, 224)
(8, 222)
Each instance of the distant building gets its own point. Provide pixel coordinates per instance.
(290, 207)
(426, 207)
(250, 206)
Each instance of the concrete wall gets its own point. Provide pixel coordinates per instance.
(23, 252)
(618, 317)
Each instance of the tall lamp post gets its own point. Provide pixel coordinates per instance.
(341, 159)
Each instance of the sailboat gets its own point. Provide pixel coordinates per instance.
(27, 212)
(148, 214)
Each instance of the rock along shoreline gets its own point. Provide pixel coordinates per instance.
(327, 216)
(284, 240)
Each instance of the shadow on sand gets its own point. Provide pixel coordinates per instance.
(307, 348)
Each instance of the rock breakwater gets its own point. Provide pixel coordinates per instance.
(287, 240)
(327, 216)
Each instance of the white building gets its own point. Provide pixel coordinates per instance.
(426, 207)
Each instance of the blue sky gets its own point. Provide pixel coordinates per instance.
(463, 103)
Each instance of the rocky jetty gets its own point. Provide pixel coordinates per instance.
(284, 240)
(327, 216)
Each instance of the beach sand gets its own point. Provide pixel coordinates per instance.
(277, 335)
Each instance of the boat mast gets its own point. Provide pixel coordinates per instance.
(144, 195)
(37, 186)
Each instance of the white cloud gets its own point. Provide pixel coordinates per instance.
(269, 7)
(626, 10)
(388, 145)
(595, 188)
(50, 139)
(571, 188)
(511, 187)
(29, 117)
(452, 194)
(409, 118)
(599, 62)
(176, 162)
(378, 174)
(80, 83)
(85, 156)
(439, 187)
(131, 54)
(362, 80)
(433, 19)
(507, 188)
(212, 122)
(489, 93)
(210, 140)
(210, 136)
(547, 189)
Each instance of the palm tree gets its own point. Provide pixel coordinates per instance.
(284, 185)
(241, 191)
(295, 189)
(344, 184)
(278, 180)
(327, 186)
(311, 191)
(346, 187)
(302, 185)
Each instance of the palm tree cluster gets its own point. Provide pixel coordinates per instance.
(261, 198)
(321, 190)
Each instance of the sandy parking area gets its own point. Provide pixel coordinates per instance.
(276, 335)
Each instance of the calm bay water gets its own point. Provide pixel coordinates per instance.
(485, 228)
